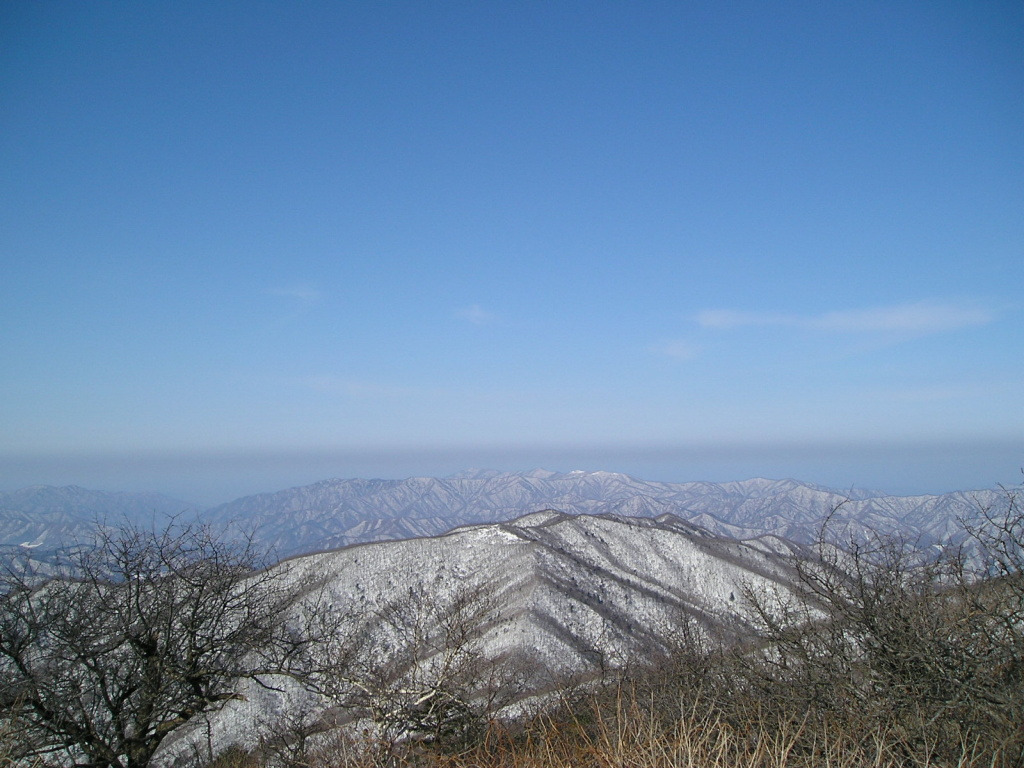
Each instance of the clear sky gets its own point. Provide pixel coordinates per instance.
(249, 245)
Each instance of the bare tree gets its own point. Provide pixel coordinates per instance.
(142, 632)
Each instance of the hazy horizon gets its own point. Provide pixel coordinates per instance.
(208, 479)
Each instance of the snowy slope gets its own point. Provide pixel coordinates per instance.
(611, 580)
(569, 595)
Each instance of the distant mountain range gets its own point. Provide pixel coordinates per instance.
(335, 513)
(46, 518)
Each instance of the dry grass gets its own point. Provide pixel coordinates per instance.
(626, 732)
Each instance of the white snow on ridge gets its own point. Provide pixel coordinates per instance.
(566, 594)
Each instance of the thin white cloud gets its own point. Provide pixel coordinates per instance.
(922, 317)
(337, 385)
(968, 392)
(306, 295)
(728, 318)
(476, 315)
(915, 319)
(677, 348)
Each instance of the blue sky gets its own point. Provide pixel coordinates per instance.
(251, 245)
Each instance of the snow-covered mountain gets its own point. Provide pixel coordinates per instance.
(561, 596)
(565, 585)
(334, 513)
(45, 518)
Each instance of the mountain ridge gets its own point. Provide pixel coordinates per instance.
(336, 512)
(562, 597)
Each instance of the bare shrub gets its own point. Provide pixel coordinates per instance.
(886, 639)
(140, 634)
